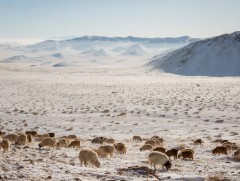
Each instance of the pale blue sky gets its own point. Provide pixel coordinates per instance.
(144, 18)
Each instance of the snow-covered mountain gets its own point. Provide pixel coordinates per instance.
(217, 56)
(92, 49)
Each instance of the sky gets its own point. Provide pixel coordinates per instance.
(48, 19)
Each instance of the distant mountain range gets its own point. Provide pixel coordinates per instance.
(217, 56)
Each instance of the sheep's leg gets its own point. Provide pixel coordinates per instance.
(154, 167)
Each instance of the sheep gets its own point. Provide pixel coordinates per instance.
(160, 149)
(110, 141)
(228, 146)
(120, 148)
(105, 150)
(224, 141)
(11, 137)
(5, 144)
(146, 147)
(75, 143)
(137, 138)
(72, 137)
(47, 142)
(172, 152)
(2, 134)
(237, 154)
(219, 150)
(235, 147)
(159, 158)
(198, 142)
(51, 135)
(155, 137)
(88, 155)
(29, 138)
(62, 143)
(98, 140)
(186, 153)
(159, 142)
(22, 139)
(150, 142)
(32, 133)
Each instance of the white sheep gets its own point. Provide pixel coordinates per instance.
(146, 147)
(89, 156)
(47, 142)
(159, 158)
(105, 150)
(110, 141)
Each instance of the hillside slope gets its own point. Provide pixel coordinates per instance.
(217, 56)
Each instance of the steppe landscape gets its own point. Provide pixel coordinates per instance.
(117, 103)
(140, 90)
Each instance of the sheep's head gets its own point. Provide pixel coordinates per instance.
(97, 163)
(168, 165)
(214, 151)
(40, 145)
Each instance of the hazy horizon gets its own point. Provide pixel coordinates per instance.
(140, 18)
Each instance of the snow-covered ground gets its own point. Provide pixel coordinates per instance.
(88, 101)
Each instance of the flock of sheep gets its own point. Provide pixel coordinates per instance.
(158, 154)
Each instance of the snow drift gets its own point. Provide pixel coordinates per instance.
(217, 56)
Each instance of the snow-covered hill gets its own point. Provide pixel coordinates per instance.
(217, 56)
(91, 49)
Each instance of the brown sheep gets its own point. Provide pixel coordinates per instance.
(198, 142)
(159, 142)
(22, 139)
(120, 148)
(228, 146)
(51, 135)
(74, 144)
(32, 133)
(219, 150)
(237, 154)
(172, 152)
(159, 149)
(105, 150)
(11, 137)
(150, 142)
(29, 138)
(137, 138)
(62, 143)
(224, 141)
(109, 141)
(5, 144)
(89, 156)
(155, 137)
(186, 153)
(146, 147)
(50, 142)
(98, 140)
